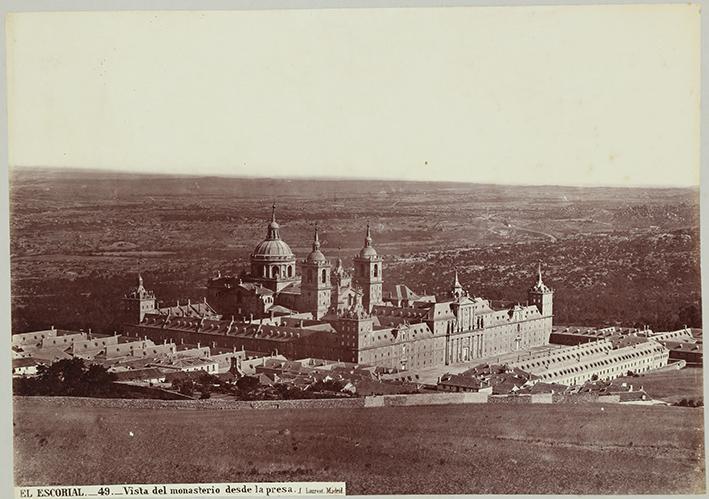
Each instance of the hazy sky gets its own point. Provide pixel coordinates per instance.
(555, 95)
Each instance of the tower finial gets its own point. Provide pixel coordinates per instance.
(539, 272)
(140, 280)
(316, 239)
(273, 212)
(368, 238)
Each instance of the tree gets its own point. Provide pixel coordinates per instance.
(186, 387)
(70, 377)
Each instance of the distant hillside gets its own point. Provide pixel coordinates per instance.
(99, 184)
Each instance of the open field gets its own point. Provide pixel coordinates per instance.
(671, 386)
(489, 448)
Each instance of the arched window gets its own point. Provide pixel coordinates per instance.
(376, 270)
(290, 270)
(274, 271)
(310, 275)
(324, 276)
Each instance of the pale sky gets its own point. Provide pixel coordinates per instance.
(579, 95)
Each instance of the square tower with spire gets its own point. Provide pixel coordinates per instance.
(138, 302)
(541, 295)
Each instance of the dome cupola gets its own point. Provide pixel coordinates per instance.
(316, 255)
(273, 248)
(368, 250)
(272, 261)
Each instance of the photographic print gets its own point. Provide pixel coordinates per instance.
(362, 251)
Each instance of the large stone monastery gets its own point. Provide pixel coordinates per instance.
(321, 310)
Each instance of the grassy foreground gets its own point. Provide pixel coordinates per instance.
(486, 448)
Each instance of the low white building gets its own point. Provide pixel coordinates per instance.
(605, 359)
(24, 367)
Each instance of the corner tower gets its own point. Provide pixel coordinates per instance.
(315, 285)
(541, 296)
(137, 302)
(368, 273)
(457, 292)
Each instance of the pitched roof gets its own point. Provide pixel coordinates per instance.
(197, 310)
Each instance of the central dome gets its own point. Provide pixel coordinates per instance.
(273, 248)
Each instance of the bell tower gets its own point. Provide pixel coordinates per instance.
(368, 273)
(316, 289)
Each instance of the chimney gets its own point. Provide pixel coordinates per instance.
(199, 345)
(214, 344)
(251, 317)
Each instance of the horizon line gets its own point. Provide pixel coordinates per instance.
(116, 170)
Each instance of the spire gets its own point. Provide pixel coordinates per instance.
(140, 280)
(316, 239)
(458, 291)
(539, 286)
(368, 238)
(539, 273)
(273, 226)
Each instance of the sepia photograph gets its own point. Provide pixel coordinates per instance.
(412, 250)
